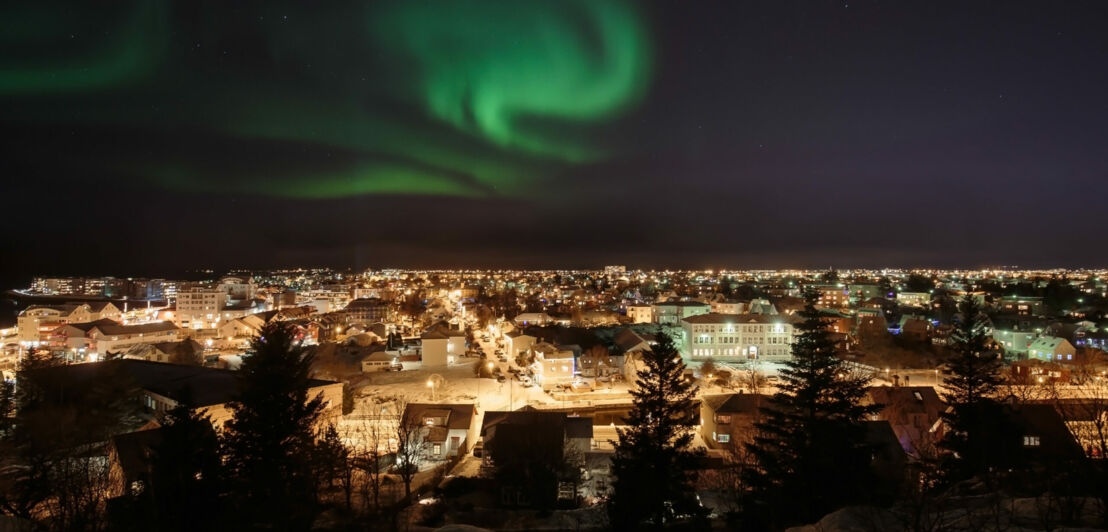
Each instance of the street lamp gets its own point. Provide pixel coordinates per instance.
(431, 385)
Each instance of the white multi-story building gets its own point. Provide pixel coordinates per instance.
(199, 307)
(552, 366)
(738, 336)
(442, 346)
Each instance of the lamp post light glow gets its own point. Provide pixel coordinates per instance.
(431, 385)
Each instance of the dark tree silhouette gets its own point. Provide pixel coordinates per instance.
(918, 283)
(271, 437)
(185, 474)
(53, 454)
(809, 447)
(332, 463)
(970, 390)
(653, 466)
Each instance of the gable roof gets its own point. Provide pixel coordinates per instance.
(736, 403)
(1048, 343)
(627, 340)
(458, 416)
(717, 318)
(907, 399)
(88, 326)
(198, 385)
(115, 329)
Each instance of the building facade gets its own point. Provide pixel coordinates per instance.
(199, 307)
(738, 336)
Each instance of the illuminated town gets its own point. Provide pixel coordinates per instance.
(460, 353)
(553, 266)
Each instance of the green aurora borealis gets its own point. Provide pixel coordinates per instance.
(444, 97)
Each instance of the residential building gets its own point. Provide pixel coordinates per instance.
(516, 342)
(104, 338)
(672, 312)
(553, 365)
(526, 436)
(1015, 342)
(832, 296)
(916, 328)
(187, 349)
(449, 429)
(727, 420)
(1020, 305)
(640, 313)
(440, 345)
(37, 322)
(162, 387)
(241, 328)
(760, 306)
(912, 411)
(727, 306)
(368, 310)
(913, 299)
(599, 364)
(1051, 348)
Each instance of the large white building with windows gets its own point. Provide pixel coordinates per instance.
(738, 336)
(198, 307)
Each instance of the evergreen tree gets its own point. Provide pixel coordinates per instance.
(809, 447)
(653, 466)
(970, 390)
(271, 437)
(24, 488)
(186, 474)
(332, 462)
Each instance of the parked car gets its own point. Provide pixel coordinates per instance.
(501, 379)
(525, 381)
(581, 386)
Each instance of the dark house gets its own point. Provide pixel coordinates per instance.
(535, 457)
(911, 412)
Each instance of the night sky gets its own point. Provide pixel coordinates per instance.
(147, 138)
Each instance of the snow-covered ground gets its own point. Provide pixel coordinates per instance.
(456, 385)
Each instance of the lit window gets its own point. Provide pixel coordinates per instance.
(723, 438)
(1030, 441)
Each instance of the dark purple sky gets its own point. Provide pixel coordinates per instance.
(767, 134)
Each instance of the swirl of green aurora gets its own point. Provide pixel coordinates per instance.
(487, 70)
(430, 97)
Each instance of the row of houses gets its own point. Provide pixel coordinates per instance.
(159, 388)
(1041, 430)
